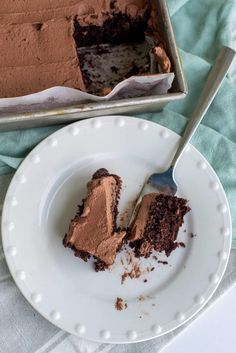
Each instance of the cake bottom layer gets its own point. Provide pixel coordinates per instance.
(104, 66)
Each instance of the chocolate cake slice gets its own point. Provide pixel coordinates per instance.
(157, 224)
(93, 231)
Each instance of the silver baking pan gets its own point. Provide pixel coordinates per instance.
(67, 114)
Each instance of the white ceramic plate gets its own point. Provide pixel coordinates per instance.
(42, 198)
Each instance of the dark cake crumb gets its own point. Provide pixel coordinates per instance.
(192, 235)
(123, 277)
(162, 262)
(120, 304)
(135, 272)
(83, 255)
(38, 26)
(102, 172)
(133, 267)
(100, 265)
(114, 69)
(113, 4)
(141, 298)
(134, 71)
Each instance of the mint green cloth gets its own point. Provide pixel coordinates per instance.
(202, 27)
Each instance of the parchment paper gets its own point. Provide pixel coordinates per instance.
(106, 66)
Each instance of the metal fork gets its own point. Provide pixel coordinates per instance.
(165, 182)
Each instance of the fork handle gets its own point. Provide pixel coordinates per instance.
(212, 85)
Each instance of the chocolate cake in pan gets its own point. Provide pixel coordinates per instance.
(47, 43)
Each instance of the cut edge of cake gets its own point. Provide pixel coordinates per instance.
(157, 224)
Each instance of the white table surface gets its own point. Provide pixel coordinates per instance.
(214, 331)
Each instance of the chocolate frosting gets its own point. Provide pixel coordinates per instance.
(36, 56)
(22, 11)
(36, 78)
(141, 220)
(36, 43)
(93, 231)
